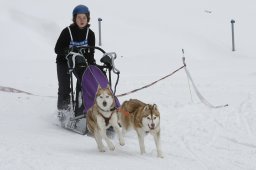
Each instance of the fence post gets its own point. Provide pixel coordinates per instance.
(233, 35)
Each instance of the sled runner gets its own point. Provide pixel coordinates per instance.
(88, 77)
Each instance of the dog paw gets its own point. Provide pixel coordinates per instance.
(112, 147)
(121, 142)
(160, 155)
(102, 149)
(142, 152)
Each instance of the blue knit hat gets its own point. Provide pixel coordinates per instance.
(81, 9)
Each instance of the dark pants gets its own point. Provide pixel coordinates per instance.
(64, 89)
(79, 106)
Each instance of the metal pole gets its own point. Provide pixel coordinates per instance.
(233, 35)
(99, 19)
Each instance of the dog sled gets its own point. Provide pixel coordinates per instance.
(88, 78)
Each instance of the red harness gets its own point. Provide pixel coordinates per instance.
(124, 112)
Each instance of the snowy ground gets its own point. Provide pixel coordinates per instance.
(148, 37)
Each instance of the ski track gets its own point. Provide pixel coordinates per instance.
(192, 153)
(244, 111)
(214, 129)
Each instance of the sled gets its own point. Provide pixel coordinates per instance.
(88, 77)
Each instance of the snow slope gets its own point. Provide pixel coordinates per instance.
(148, 37)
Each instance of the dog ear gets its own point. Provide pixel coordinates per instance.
(98, 90)
(108, 86)
(155, 110)
(155, 107)
(145, 108)
(99, 87)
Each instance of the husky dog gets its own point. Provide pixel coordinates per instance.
(144, 118)
(101, 116)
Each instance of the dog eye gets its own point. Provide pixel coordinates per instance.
(107, 96)
(148, 118)
(154, 117)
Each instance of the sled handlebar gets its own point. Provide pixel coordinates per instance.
(112, 55)
(80, 49)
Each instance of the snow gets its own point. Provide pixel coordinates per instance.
(148, 37)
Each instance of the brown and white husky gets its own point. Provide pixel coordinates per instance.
(101, 116)
(144, 119)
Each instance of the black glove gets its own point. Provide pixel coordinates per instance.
(107, 61)
(75, 59)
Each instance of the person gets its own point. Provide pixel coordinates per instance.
(78, 34)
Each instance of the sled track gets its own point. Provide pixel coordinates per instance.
(13, 90)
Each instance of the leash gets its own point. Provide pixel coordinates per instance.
(151, 84)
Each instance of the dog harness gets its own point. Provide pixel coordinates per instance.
(126, 113)
(107, 118)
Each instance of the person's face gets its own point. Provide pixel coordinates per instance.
(81, 20)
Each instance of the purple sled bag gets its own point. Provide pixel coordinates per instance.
(92, 77)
